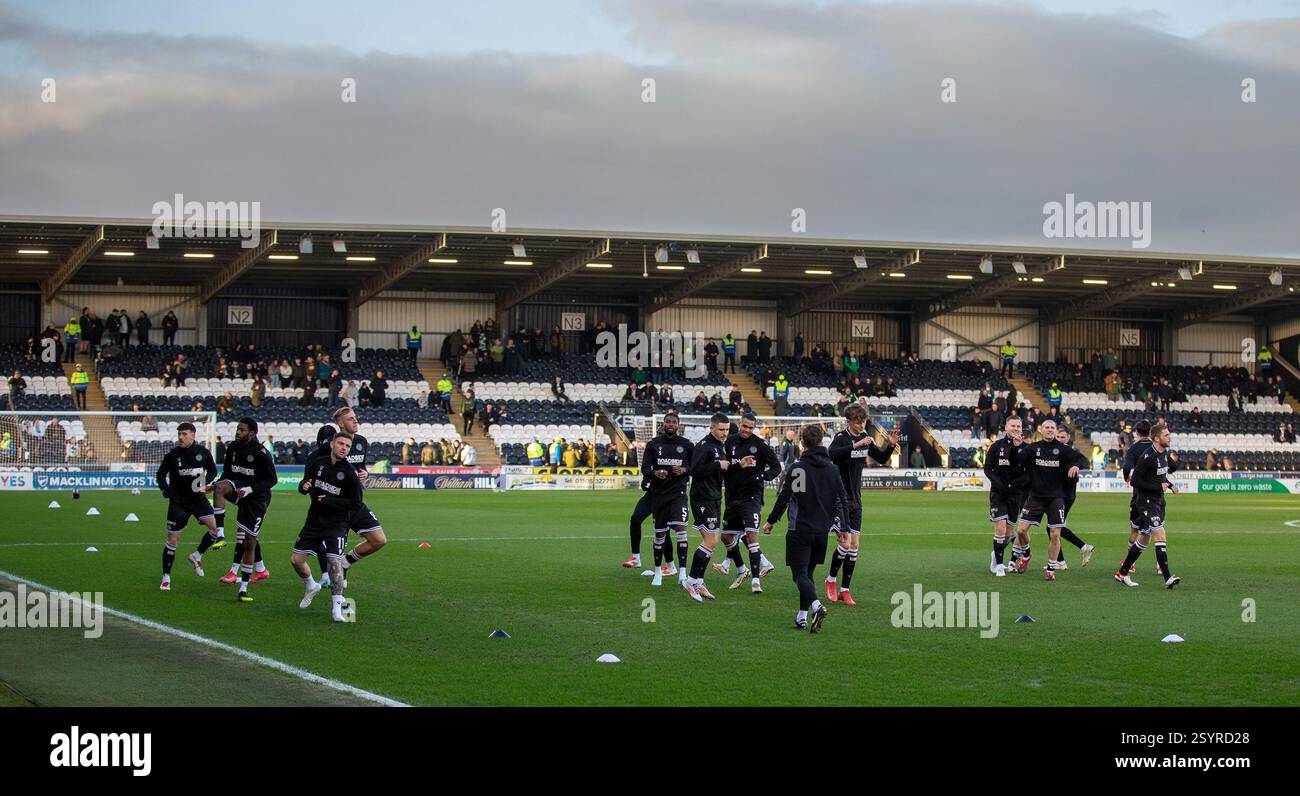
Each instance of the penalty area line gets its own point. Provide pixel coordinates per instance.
(280, 666)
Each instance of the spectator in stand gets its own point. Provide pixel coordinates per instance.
(148, 423)
(711, 356)
(665, 397)
(1111, 384)
(299, 452)
(487, 416)
(170, 325)
(445, 388)
(379, 390)
(798, 348)
(1097, 367)
(917, 459)
(422, 400)
(83, 321)
(1234, 401)
(225, 406)
(646, 391)
(468, 456)
(764, 348)
(977, 422)
(284, 374)
(142, 327)
(297, 373)
(352, 395)
(17, 387)
(1212, 459)
(410, 453)
(715, 401)
(557, 387)
(985, 400)
(852, 365)
(468, 411)
(993, 423)
(80, 381)
(1289, 436)
(308, 393)
(514, 362)
(630, 393)
(123, 330)
(469, 364)
(734, 399)
(701, 401)
(751, 348)
(364, 394)
(198, 406)
(428, 453)
(335, 389)
(1194, 419)
(1280, 434)
(1008, 357)
(1110, 361)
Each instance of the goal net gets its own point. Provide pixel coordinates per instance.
(96, 443)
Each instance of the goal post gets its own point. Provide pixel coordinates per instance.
(110, 450)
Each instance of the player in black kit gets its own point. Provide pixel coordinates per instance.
(1150, 481)
(183, 476)
(708, 467)
(666, 463)
(752, 463)
(849, 451)
(335, 492)
(247, 478)
(1049, 464)
(364, 523)
(639, 514)
(1071, 491)
(1008, 480)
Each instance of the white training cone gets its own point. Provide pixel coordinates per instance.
(131, 518)
(54, 504)
(92, 549)
(92, 512)
(1172, 638)
(608, 657)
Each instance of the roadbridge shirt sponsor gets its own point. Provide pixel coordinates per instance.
(1049, 464)
(851, 460)
(747, 482)
(665, 453)
(337, 482)
(251, 466)
(1005, 472)
(184, 471)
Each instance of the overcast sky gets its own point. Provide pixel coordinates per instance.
(760, 107)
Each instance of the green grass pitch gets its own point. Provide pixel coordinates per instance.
(545, 567)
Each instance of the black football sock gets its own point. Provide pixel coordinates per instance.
(239, 549)
(1134, 550)
(323, 560)
(850, 563)
(733, 552)
(245, 572)
(220, 514)
(207, 541)
(701, 561)
(999, 548)
(755, 558)
(634, 533)
(661, 536)
(351, 557)
(1162, 560)
(837, 561)
(683, 548)
(1068, 535)
(169, 557)
(257, 552)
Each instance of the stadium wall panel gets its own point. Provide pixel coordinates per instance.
(1285, 329)
(1077, 338)
(547, 310)
(20, 314)
(156, 301)
(384, 321)
(716, 317)
(833, 325)
(1217, 343)
(982, 325)
(278, 320)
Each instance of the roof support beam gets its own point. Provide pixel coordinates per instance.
(1231, 304)
(694, 283)
(985, 290)
(549, 276)
(837, 290)
(236, 267)
(69, 267)
(1073, 308)
(388, 276)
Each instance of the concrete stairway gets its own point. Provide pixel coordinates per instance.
(99, 428)
(484, 448)
(752, 393)
(1082, 440)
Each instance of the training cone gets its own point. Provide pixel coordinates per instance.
(498, 633)
(54, 504)
(131, 518)
(1024, 618)
(608, 657)
(424, 545)
(92, 549)
(92, 512)
(135, 490)
(1172, 638)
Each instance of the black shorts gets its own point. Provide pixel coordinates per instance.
(854, 518)
(313, 540)
(1005, 506)
(803, 550)
(179, 512)
(1035, 507)
(743, 516)
(364, 521)
(1148, 514)
(670, 510)
(707, 514)
(252, 510)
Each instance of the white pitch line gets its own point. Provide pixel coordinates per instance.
(279, 666)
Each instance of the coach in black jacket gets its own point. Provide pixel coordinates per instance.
(818, 504)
